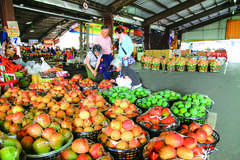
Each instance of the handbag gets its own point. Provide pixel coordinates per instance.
(130, 59)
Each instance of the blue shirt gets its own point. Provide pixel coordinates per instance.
(127, 44)
(3, 36)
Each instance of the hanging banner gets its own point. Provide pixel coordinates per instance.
(13, 30)
(32, 41)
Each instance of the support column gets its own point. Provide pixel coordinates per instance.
(7, 11)
(147, 37)
(80, 36)
(179, 35)
(108, 20)
(87, 36)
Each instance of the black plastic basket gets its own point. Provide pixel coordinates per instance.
(189, 120)
(210, 148)
(51, 155)
(89, 135)
(127, 154)
(132, 118)
(156, 132)
(58, 98)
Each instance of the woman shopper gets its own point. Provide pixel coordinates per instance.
(125, 48)
(92, 62)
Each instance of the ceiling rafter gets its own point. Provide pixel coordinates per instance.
(210, 21)
(117, 5)
(202, 14)
(35, 22)
(187, 9)
(68, 27)
(45, 34)
(171, 11)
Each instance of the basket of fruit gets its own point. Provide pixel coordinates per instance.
(172, 145)
(124, 139)
(205, 135)
(123, 107)
(141, 92)
(192, 65)
(151, 101)
(96, 101)
(87, 84)
(44, 139)
(180, 64)
(155, 64)
(203, 65)
(89, 123)
(199, 99)
(188, 112)
(105, 85)
(171, 66)
(169, 95)
(158, 120)
(119, 93)
(215, 66)
(84, 149)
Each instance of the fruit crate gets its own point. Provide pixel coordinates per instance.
(132, 118)
(51, 155)
(210, 148)
(127, 154)
(156, 132)
(202, 68)
(88, 88)
(192, 68)
(189, 120)
(170, 67)
(155, 67)
(180, 68)
(215, 68)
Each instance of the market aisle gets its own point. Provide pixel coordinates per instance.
(224, 89)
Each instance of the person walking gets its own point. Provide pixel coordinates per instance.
(105, 42)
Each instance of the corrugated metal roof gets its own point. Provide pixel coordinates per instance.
(104, 2)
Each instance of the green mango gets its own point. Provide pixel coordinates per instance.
(9, 153)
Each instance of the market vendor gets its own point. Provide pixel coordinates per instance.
(105, 42)
(92, 62)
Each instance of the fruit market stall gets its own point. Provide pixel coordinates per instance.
(181, 64)
(79, 119)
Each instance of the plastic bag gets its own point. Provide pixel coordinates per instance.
(19, 61)
(124, 82)
(44, 66)
(36, 69)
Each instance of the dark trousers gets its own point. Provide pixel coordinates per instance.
(107, 60)
(127, 71)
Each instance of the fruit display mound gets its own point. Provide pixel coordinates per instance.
(199, 99)
(105, 85)
(123, 107)
(151, 101)
(210, 148)
(87, 84)
(169, 95)
(51, 155)
(174, 146)
(124, 139)
(141, 92)
(158, 120)
(89, 123)
(85, 149)
(119, 93)
(96, 101)
(188, 112)
(205, 135)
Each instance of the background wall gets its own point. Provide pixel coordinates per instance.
(214, 31)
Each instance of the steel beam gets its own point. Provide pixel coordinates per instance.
(117, 5)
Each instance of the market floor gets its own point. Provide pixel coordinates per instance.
(224, 89)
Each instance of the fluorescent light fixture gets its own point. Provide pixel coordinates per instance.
(54, 32)
(29, 22)
(138, 18)
(95, 17)
(32, 30)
